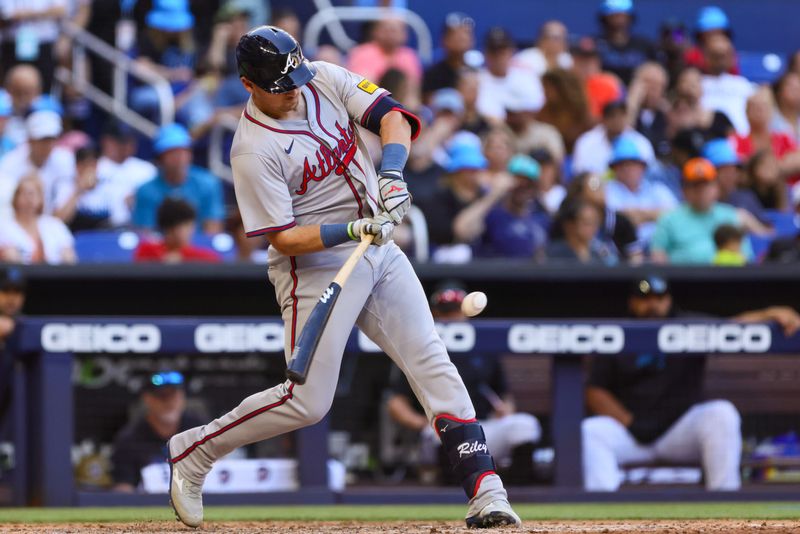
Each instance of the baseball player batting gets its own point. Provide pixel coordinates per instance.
(304, 179)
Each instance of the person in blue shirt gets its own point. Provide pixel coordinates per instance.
(516, 226)
(686, 234)
(178, 178)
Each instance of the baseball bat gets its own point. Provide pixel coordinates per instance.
(306, 345)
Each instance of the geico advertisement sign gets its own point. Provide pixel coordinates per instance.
(726, 338)
(572, 339)
(231, 337)
(112, 338)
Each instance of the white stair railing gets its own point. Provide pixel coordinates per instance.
(116, 103)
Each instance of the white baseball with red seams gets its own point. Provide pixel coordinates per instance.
(317, 171)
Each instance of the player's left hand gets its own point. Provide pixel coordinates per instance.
(395, 199)
(381, 226)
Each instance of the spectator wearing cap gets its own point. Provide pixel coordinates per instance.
(620, 50)
(430, 154)
(24, 85)
(142, 441)
(176, 223)
(593, 149)
(458, 38)
(601, 87)
(711, 21)
(530, 134)
(516, 227)
(500, 76)
(648, 408)
(31, 236)
(616, 230)
(54, 165)
(786, 119)
(30, 31)
(723, 91)
(648, 106)
(641, 200)
(729, 178)
(565, 105)
(760, 110)
(689, 112)
(6, 144)
(686, 234)
(178, 178)
(579, 223)
(231, 21)
(510, 434)
(386, 49)
(551, 50)
(550, 191)
(787, 249)
(120, 171)
(167, 47)
(455, 213)
(672, 46)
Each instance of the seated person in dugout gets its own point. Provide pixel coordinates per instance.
(510, 435)
(649, 407)
(143, 441)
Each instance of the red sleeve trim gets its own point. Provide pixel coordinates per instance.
(413, 120)
(270, 229)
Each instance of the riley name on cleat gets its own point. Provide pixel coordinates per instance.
(465, 444)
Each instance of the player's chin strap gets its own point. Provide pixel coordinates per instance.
(465, 444)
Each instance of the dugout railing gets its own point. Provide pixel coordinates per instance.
(42, 406)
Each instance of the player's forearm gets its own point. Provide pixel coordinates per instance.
(298, 240)
(602, 402)
(395, 129)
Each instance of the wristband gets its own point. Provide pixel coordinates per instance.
(334, 234)
(395, 156)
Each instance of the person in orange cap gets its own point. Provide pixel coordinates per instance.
(686, 234)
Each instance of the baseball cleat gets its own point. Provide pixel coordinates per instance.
(185, 497)
(495, 514)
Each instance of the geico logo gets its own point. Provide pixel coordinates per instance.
(261, 337)
(556, 339)
(726, 338)
(114, 338)
(457, 337)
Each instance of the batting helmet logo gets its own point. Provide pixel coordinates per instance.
(293, 61)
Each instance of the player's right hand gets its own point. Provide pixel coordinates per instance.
(381, 226)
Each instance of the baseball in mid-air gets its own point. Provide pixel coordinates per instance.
(474, 303)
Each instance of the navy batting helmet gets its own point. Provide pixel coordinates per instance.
(273, 60)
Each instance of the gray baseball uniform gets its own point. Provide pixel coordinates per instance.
(317, 171)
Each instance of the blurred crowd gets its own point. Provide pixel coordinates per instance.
(605, 149)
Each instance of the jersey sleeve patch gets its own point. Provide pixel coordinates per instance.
(367, 86)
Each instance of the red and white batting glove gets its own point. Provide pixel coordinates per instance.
(395, 199)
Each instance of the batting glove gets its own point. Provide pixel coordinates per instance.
(395, 199)
(381, 226)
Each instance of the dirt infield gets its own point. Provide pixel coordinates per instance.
(426, 527)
